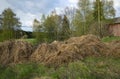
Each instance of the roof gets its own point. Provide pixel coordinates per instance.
(117, 20)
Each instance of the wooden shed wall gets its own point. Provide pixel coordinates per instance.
(114, 29)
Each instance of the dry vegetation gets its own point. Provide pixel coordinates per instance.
(57, 53)
(12, 52)
(85, 57)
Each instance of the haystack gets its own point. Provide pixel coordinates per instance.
(73, 49)
(85, 38)
(43, 51)
(14, 52)
(115, 48)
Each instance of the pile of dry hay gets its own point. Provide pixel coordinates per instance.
(115, 48)
(57, 53)
(74, 49)
(14, 52)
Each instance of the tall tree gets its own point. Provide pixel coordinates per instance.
(37, 31)
(36, 25)
(0, 22)
(9, 19)
(65, 30)
(42, 20)
(103, 14)
(52, 26)
(83, 17)
(70, 13)
(9, 22)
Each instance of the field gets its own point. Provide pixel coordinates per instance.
(92, 66)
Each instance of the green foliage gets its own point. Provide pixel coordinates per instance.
(103, 68)
(40, 37)
(65, 30)
(7, 73)
(103, 14)
(89, 68)
(93, 17)
(98, 10)
(52, 27)
(8, 21)
(36, 30)
(109, 39)
(25, 71)
(7, 35)
(32, 41)
(83, 18)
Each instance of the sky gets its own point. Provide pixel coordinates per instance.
(28, 10)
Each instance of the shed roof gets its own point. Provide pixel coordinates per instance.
(117, 20)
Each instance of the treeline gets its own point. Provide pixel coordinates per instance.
(10, 26)
(53, 27)
(88, 18)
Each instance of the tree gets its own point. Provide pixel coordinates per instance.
(9, 22)
(36, 25)
(43, 18)
(52, 26)
(37, 31)
(98, 14)
(93, 17)
(58, 21)
(70, 13)
(83, 17)
(0, 23)
(65, 30)
(104, 14)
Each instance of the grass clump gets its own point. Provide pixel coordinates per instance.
(109, 39)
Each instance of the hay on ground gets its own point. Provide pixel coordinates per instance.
(73, 49)
(14, 52)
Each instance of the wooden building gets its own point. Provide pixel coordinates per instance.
(114, 29)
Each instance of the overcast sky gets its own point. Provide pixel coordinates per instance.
(27, 10)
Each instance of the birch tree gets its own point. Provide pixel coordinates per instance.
(83, 17)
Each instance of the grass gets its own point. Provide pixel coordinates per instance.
(109, 39)
(105, 39)
(90, 68)
(32, 41)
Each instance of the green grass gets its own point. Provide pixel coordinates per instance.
(105, 39)
(109, 39)
(89, 68)
(33, 41)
